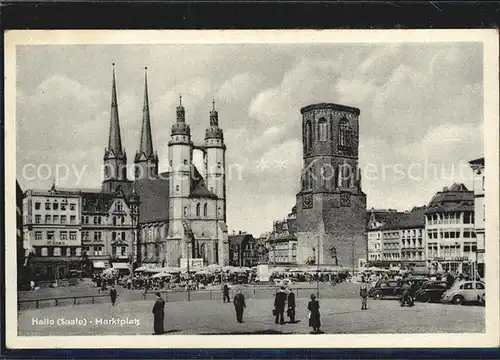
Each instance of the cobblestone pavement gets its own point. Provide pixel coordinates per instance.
(340, 316)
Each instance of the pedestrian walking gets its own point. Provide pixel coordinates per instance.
(363, 292)
(279, 306)
(113, 295)
(291, 306)
(158, 314)
(314, 316)
(239, 306)
(225, 293)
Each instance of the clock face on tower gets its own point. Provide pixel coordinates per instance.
(308, 201)
(345, 199)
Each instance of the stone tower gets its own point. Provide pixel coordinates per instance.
(115, 157)
(215, 162)
(180, 150)
(215, 165)
(146, 160)
(331, 207)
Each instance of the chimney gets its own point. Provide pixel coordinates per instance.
(445, 188)
(234, 232)
(239, 232)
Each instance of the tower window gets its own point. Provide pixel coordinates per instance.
(176, 187)
(185, 210)
(345, 133)
(205, 210)
(198, 209)
(322, 130)
(219, 165)
(308, 135)
(185, 162)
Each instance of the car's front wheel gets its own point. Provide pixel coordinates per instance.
(458, 300)
(377, 295)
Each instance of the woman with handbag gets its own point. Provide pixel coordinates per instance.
(314, 316)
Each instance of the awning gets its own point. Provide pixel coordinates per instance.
(121, 266)
(98, 264)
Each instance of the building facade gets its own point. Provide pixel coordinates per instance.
(449, 225)
(282, 241)
(243, 250)
(478, 169)
(331, 206)
(377, 219)
(52, 222)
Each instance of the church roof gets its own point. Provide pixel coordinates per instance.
(198, 187)
(154, 198)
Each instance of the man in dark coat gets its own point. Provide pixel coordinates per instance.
(113, 294)
(291, 306)
(239, 306)
(279, 305)
(159, 314)
(225, 293)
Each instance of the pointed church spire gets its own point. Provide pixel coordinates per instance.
(146, 146)
(115, 140)
(214, 116)
(181, 115)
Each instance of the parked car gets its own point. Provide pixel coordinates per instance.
(385, 289)
(431, 291)
(392, 288)
(464, 291)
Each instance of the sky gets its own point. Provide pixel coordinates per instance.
(421, 115)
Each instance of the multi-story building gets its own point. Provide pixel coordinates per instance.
(450, 234)
(477, 166)
(52, 231)
(108, 228)
(377, 219)
(331, 206)
(20, 246)
(391, 248)
(412, 227)
(282, 242)
(243, 249)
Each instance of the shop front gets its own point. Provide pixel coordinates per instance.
(460, 265)
(55, 268)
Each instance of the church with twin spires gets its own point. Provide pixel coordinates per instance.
(182, 212)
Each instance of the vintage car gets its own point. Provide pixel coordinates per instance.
(464, 292)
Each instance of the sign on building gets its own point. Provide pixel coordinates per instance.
(194, 264)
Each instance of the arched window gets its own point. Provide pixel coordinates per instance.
(57, 251)
(177, 188)
(205, 210)
(345, 132)
(344, 176)
(44, 252)
(308, 135)
(322, 129)
(185, 210)
(68, 251)
(198, 209)
(78, 252)
(114, 220)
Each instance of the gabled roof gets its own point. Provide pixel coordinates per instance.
(479, 161)
(240, 239)
(383, 217)
(96, 201)
(410, 220)
(154, 198)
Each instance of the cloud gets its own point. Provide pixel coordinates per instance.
(420, 104)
